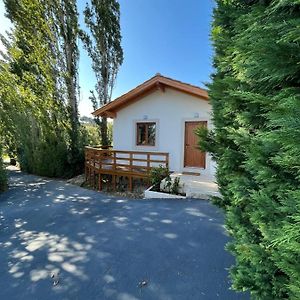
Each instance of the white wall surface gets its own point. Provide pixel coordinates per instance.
(170, 110)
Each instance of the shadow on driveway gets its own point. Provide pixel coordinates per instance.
(103, 247)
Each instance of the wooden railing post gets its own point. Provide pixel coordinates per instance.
(114, 167)
(100, 172)
(130, 168)
(130, 161)
(167, 160)
(115, 159)
(148, 163)
(86, 164)
(94, 168)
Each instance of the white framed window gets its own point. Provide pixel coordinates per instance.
(145, 133)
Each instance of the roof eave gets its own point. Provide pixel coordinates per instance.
(110, 109)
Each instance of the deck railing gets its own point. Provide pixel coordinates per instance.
(131, 164)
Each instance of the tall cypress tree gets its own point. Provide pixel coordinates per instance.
(255, 96)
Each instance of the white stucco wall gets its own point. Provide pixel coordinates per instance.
(170, 109)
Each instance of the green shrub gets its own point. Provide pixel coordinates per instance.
(255, 96)
(168, 183)
(157, 175)
(3, 177)
(91, 134)
(160, 173)
(175, 186)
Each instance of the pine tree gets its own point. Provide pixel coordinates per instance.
(255, 96)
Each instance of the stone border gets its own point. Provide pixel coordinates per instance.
(158, 195)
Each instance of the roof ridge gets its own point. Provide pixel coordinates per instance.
(192, 85)
(159, 75)
(149, 84)
(144, 82)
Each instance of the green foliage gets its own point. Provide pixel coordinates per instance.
(91, 133)
(255, 96)
(63, 15)
(175, 186)
(3, 178)
(109, 133)
(157, 175)
(168, 183)
(102, 40)
(38, 83)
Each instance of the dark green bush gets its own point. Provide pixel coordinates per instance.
(3, 178)
(157, 175)
(175, 186)
(91, 134)
(255, 96)
(167, 184)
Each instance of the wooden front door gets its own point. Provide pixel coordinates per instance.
(193, 157)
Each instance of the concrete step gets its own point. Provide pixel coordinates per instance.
(202, 187)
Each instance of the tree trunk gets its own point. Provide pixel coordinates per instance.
(103, 130)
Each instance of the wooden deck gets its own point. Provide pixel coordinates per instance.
(131, 164)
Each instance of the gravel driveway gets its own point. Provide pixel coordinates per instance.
(102, 247)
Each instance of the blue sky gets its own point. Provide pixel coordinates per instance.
(170, 37)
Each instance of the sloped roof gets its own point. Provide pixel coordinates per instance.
(156, 82)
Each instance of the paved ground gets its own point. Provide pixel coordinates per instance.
(104, 246)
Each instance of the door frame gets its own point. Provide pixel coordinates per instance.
(184, 142)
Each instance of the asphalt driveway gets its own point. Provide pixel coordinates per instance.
(108, 248)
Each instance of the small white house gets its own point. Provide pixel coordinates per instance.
(161, 115)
